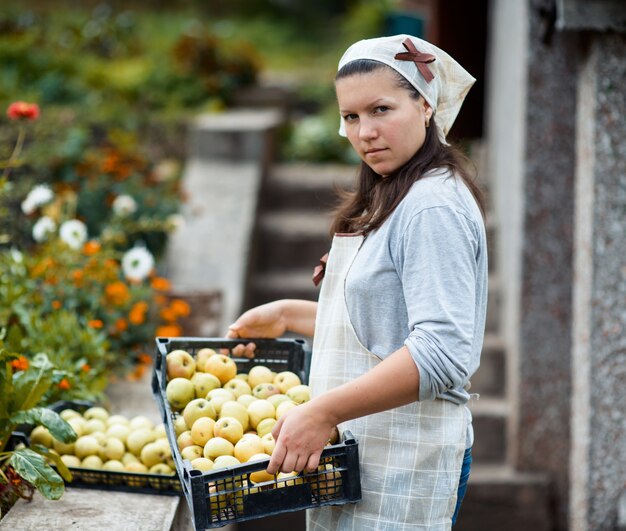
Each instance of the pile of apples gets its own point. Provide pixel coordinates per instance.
(111, 442)
(224, 418)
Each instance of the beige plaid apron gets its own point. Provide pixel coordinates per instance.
(410, 456)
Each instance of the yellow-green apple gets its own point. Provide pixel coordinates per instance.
(202, 430)
(198, 407)
(218, 396)
(202, 463)
(242, 376)
(179, 364)
(86, 445)
(129, 458)
(221, 366)
(94, 426)
(155, 452)
(161, 469)
(113, 465)
(278, 399)
(68, 413)
(140, 421)
(224, 461)
(99, 436)
(248, 446)
(71, 461)
(119, 431)
(138, 439)
(265, 426)
(92, 461)
(117, 419)
(96, 412)
(299, 394)
(268, 443)
(246, 400)
(259, 374)
(261, 475)
(285, 380)
(265, 390)
(236, 410)
(283, 407)
(78, 425)
(204, 382)
(179, 424)
(160, 432)
(179, 392)
(201, 356)
(41, 435)
(259, 410)
(218, 501)
(184, 440)
(228, 428)
(136, 467)
(218, 446)
(112, 449)
(238, 387)
(191, 452)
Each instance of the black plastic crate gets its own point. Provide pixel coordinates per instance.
(106, 479)
(225, 496)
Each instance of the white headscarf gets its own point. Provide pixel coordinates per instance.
(449, 81)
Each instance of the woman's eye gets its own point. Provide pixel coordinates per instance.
(349, 117)
(381, 108)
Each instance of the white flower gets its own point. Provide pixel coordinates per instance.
(74, 233)
(38, 196)
(137, 263)
(175, 222)
(44, 226)
(17, 256)
(124, 205)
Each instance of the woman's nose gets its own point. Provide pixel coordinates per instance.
(367, 130)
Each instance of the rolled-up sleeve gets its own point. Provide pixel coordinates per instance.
(437, 265)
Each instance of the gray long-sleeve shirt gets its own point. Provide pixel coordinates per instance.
(420, 280)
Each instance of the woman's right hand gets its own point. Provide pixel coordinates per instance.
(265, 321)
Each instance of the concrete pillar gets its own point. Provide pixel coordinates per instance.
(598, 437)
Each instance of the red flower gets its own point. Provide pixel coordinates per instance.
(64, 384)
(21, 109)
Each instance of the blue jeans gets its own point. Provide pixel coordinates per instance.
(465, 472)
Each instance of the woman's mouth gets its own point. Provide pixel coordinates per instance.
(373, 151)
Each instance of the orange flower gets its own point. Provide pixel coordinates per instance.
(117, 293)
(121, 324)
(95, 323)
(161, 300)
(169, 331)
(91, 247)
(111, 265)
(139, 371)
(161, 284)
(169, 315)
(145, 358)
(20, 109)
(180, 308)
(64, 384)
(137, 314)
(86, 367)
(20, 364)
(56, 305)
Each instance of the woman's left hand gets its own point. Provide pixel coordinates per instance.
(301, 435)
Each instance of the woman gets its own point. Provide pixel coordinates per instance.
(399, 325)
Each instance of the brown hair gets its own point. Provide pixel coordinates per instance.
(375, 198)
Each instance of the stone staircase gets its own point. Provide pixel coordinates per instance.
(291, 234)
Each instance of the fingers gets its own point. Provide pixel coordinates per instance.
(277, 458)
(313, 462)
(244, 351)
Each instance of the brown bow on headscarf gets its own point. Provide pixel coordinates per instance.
(318, 272)
(420, 59)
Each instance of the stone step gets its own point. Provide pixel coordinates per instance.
(291, 240)
(306, 186)
(499, 498)
(489, 419)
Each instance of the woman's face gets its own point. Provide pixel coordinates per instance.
(384, 124)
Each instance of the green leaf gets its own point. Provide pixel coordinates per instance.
(33, 468)
(58, 462)
(31, 385)
(59, 429)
